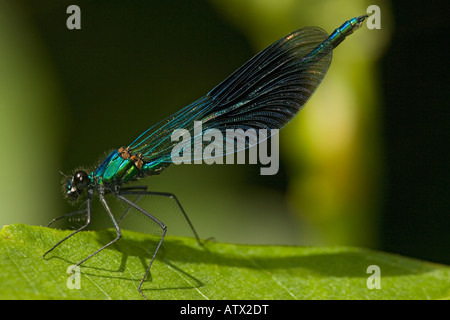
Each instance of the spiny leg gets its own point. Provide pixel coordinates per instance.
(116, 226)
(144, 188)
(167, 195)
(88, 221)
(66, 215)
(159, 223)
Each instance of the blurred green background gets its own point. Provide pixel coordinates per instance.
(365, 163)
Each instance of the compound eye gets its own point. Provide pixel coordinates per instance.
(80, 180)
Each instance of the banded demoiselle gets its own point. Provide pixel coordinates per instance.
(265, 93)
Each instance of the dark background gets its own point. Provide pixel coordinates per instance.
(120, 73)
(416, 111)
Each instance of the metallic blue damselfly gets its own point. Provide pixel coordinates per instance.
(265, 93)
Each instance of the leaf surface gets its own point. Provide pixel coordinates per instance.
(184, 269)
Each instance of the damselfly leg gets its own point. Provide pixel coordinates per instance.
(66, 216)
(134, 188)
(159, 223)
(88, 221)
(140, 192)
(116, 226)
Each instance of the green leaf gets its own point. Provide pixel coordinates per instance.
(184, 269)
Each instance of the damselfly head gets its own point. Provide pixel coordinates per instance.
(76, 184)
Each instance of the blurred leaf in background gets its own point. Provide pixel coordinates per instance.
(72, 95)
(30, 122)
(332, 150)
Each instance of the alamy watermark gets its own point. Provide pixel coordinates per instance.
(74, 279)
(374, 18)
(74, 20)
(237, 143)
(374, 280)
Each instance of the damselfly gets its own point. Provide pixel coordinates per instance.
(264, 93)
